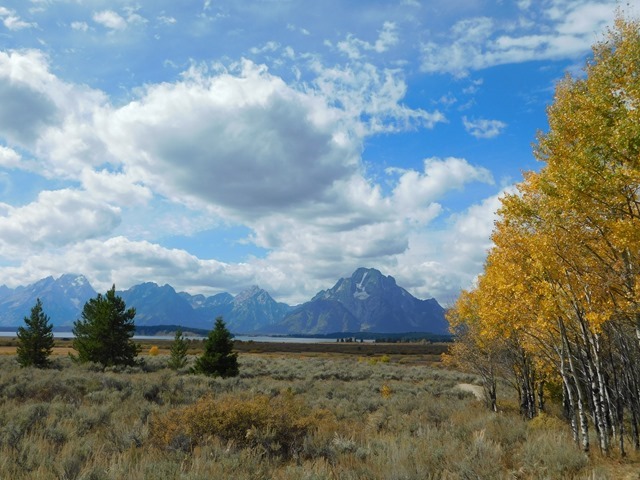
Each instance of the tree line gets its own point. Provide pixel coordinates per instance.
(557, 308)
(104, 335)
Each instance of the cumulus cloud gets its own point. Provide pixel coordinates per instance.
(9, 158)
(483, 128)
(238, 144)
(417, 190)
(441, 262)
(115, 188)
(124, 262)
(56, 218)
(27, 108)
(245, 143)
(52, 119)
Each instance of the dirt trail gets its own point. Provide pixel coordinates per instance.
(475, 389)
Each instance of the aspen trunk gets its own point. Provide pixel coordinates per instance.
(582, 416)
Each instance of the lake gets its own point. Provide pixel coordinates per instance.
(242, 338)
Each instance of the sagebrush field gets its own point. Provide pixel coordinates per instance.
(285, 416)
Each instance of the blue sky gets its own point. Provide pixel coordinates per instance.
(218, 144)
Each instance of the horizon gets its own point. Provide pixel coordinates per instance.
(217, 145)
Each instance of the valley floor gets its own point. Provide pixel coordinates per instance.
(286, 416)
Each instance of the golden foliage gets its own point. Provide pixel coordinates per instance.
(273, 425)
(386, 391)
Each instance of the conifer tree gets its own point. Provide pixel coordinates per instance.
(178, 351)
(103, 334)
(35, 342)
(218, 359)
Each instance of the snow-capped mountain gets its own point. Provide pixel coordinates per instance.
(62, 299)
(366, 302)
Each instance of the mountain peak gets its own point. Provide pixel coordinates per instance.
(72, 277)
(249, 293)
(367, 301)
(361, 271)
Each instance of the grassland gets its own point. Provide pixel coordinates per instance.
(359, 414)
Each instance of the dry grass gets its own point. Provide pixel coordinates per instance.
(284, 417)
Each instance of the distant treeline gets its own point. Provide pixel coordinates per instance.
(153, 330)
(406, 337)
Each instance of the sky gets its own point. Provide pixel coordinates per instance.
(219, 144)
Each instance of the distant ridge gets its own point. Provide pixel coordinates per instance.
(368, 301)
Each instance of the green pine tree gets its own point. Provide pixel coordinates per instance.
(103, 334)
(179, 349)
(218, 359)
(35, 342)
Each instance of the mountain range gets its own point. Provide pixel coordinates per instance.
(368, 301)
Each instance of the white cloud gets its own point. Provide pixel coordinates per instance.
(110, 19)
(483, 128)
(415, 192)
(568, 30)
(56, 218)
(440, 263)
(12, 21)
(372, 98)
(52, 119)
(114, 21)
(125, 263)
(267, 47)
(9, 158)
(245, 143)
(241, 145)
(524, 4)
(387, 38)
(167, 20)
(115, 188)
(80, 26)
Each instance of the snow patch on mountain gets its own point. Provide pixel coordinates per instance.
(360, 292)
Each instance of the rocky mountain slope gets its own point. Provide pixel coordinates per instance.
(367, 301)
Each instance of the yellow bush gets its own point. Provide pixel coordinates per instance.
(385, 358)
(546, 422)
(385, 391)
(154, 350)
(271, 425)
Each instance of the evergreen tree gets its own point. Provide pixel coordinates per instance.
(218, 359)
(178, 351)
(103, 334)
(35, 342)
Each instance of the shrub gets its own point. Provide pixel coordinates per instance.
(270, 425)
(385, 391)
(154, 351)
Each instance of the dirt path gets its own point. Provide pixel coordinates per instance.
(475, 389)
